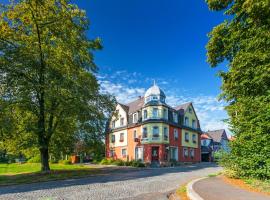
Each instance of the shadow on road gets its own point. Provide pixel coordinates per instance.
(109, 175)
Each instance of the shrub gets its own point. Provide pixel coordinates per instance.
(119, 162)
(136, 163)
(64, 162)
(106, 161)
(35, 159)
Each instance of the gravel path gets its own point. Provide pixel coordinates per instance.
(126, 183)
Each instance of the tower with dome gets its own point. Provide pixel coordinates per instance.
(151, 131)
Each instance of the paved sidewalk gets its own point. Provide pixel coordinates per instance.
(215, 188)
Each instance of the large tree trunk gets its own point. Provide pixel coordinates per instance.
(44, 156)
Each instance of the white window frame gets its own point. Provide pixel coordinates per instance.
(143, 132)
(142, 152)
(187, 133)
(155, 116)
(112, 136)
(123, 137)
(186, 121)
(124, 156)
(145, 114)
(155, 134)
(194, 123)
(113, 124)
(135, 117)
(185, 149)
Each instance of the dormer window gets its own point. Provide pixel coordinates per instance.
(113, 124)
(175, 117)
(186, 122)
(193, 123)
(135, 117)
(122, 121)
(154, 98)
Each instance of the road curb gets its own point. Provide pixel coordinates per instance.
(191, 192)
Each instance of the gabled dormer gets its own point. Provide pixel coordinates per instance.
(119, 119)
(188, 116)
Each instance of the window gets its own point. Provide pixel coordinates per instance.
(154, 98)
(175, 117)
(145, 132)
(174, 153)
(113, 124)
(194, 138)
(162, 99)
(155, 112)
(145, 114)
(186, 136)
(165, 114)
(204, 143)
(190, 110)
(185, 152)
(135, 134)
(122, 121)
(155, 131)
(165, 133)
(192, 152)
(193, 123)
(113, 138)
(135, 118)
(124, 152)
(186, 121)
(112, 153)
(175, 134)
(121, 137)
(139, 153)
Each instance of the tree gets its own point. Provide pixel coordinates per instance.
(244, 42)
(47, 69)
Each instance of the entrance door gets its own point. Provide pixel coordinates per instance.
(155, 153)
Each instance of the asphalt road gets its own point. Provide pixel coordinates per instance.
(124, 183)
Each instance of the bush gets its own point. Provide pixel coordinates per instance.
(35, 159)
(64, 162)
(136, 163)
(106, 161)
(119, 162)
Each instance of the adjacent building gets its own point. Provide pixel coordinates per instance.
(150, 130)
(213, 141)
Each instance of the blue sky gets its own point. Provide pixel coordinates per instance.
(158, 40)
(146, 40)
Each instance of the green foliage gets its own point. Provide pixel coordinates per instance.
(119, 162)
(64, 162)
(49, 96)
(243, 42)
(35, 159)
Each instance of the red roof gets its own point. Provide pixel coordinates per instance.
(204, 136)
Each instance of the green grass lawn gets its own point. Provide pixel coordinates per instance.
(11, 174)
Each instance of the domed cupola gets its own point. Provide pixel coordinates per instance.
(154, 94)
